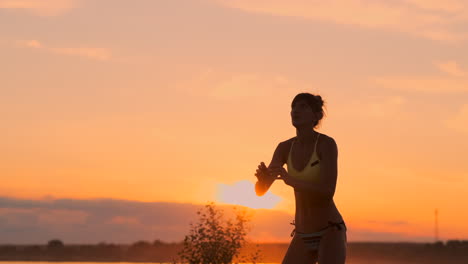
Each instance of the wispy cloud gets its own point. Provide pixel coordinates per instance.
(451, 68)
(91, 53)
(435, 20)
(101, 54)
(374, 108)
(454, 80)
(30, 43)
(389, 106)
(246, 84)
(424, 84)
(220, 84)
(41, 7)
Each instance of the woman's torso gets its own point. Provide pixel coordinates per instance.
(311, 217)
(311, 214)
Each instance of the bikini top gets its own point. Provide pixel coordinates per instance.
(311, 171)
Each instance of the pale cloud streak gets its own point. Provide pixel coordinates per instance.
(31, 43)
(246, 84)
(451, 68)
(41, 7)
(91, 53)
(432, 19)
(374, 108)
(100, 54)
(437, 5)
(455, 82)
(390, 106)
(425, 84)
(220, 84)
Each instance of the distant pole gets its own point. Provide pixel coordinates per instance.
(436, 225)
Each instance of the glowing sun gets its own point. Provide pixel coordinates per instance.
(242, 193)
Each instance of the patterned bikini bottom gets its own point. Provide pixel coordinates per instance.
(312, 240)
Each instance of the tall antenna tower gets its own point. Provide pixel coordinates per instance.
(436, 225)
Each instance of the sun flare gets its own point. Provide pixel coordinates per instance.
(242, 193)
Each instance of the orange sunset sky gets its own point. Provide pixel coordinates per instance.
(178, 101)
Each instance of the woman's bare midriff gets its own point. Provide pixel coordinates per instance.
(311, 215)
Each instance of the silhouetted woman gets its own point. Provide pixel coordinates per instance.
(311, 158)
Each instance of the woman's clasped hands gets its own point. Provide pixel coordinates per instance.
(265, 174)
(282, 173)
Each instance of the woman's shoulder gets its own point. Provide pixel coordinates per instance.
(326, 139)
(326, 142)
(287, 143)
(323, 139)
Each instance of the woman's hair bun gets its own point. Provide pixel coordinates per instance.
(314, 101)
(319, 100)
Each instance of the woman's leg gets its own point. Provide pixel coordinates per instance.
(333, 247)
(297, 253)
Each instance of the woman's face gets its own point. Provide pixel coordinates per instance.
(302, 114)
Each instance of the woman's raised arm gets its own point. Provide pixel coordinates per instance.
(265, 177)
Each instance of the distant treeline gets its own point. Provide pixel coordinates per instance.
(453, 251)
(56, 250)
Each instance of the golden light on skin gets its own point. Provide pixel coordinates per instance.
(242, 193)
